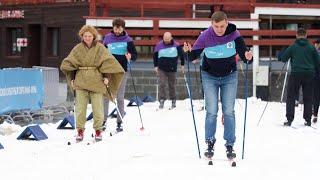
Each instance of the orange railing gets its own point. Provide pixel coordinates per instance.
(171, 5)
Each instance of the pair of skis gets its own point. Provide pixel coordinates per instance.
(112, 133)
(231, 161)
(162, 109)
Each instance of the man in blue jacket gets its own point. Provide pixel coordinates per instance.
(165, 60)
(121, 46)
(220, 44)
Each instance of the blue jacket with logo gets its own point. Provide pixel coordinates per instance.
(166, 56)
(119, 46)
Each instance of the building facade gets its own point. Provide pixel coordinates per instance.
(39, 35)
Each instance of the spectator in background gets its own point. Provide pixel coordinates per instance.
(304, 60)
(302, 1)
(287, 1)
(165, 60)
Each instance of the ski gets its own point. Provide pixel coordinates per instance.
(87, 142)
(232, 162)
(171, 108)
(117, 131)
(208, 155)
(159, 109)
(210, 163)
(92, 140)
(300, 127)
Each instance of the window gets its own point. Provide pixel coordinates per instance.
(53, 42)
(12, 35)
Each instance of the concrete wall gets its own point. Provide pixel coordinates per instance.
(146, 84)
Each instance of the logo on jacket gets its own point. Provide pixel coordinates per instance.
(229, 45)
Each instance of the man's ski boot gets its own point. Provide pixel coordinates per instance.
(307, 123)
(173, 105)
(161, 103)
(98, 136)
(315, 119)
(231, 155)
(287, 123)
(80, 135)
(210, 151)
(230, 152)
(119, 127)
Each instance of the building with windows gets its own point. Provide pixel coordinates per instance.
(48, 30)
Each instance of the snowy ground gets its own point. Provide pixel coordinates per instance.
(167, 149)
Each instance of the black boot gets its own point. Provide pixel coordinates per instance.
(119, 127)
(173, 105)
(307, 123)
(288, 123)
(210, 151)
(230, 152)
(161, 103)
(315, 119)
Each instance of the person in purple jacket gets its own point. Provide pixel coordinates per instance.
(219, 44)
(121, 46)
(165, 60)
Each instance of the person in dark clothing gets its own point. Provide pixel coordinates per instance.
(316, 89)
(219, 45)
(287, 1)
(304, 60)
(165, 60)
(121, 46)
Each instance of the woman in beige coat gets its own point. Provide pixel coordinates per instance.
(93, 73)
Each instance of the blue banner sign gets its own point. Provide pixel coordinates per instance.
(21, 89)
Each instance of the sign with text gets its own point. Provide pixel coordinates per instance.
(21, 89)
(11, 14)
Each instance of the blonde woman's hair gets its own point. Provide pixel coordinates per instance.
(88, 28)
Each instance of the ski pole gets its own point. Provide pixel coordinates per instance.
(197, 80)
(202, 92)
(190, 96)
(245, 111)
(115, 103)
(279, 76)
(135, 93)
(285, 81)
(265, 107)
